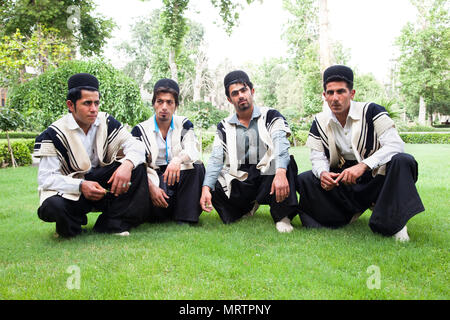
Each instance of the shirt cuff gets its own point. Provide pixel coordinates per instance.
(370, 162)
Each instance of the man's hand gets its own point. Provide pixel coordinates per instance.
(327, 180)
(205, 199)
(92, 190)
(280, 185)
(172, 173)
(350, 175)
(121, 177)
(157, 195)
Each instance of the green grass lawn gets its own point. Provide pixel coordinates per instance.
(245, 260)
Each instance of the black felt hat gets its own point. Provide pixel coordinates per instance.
(338, 73)
(167, 83)
(237, 76)
(83, 80)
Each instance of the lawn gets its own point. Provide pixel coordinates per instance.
(245, 260)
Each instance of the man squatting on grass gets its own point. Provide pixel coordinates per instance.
(357, 163)
(250, 162)
(79, 162)
(175, 174)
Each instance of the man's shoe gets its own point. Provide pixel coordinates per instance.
(402, 235)
(122, 234)
(284, 225)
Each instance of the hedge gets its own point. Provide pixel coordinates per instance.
(425, 137)
(19, 135)
(22, 150)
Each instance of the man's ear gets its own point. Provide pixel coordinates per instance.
(70, 105)
(229, 99)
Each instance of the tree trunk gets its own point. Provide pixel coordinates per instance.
(173, 65)
(324, 39)
(422, 112)
(13, 161)
(198, 81)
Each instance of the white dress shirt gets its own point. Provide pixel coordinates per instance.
(390, 142)
(49, 173)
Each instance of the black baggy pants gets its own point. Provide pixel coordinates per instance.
(119, 213)
(255, 188)
(394, 198)
(184, 196)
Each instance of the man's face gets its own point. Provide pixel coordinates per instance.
(164, 106)
(338, 97)
(241, 96)
(86, 109)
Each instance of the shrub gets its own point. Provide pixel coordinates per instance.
(426, 138)
(20, 135)
(22, 150)
(43, 99)
(207, 140)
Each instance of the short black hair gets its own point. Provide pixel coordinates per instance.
(165, 90)
(74, 94)
(234, 77)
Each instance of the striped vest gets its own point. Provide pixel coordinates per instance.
(58, 140)
(372, 123)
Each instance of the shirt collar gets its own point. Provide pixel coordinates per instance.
(73, 125)
(255, 114)
(156, 124)
(352, 113)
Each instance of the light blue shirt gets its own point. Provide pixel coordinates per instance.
(249, 152)
(164, 145)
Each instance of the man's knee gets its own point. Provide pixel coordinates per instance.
(404, 159)
(50, 208)
(304, 178)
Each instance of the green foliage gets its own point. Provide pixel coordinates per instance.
(43, 99)
(207, 140)
(309, 67)
(229, 12)
(149, 51)
(20, 134)
(74, 19)
(203, 114)
(424, 58)
(44, 48)
(266, 78)
(300, 136)
(426, 138)
(22, 150)
(173, 23)
(10, 120)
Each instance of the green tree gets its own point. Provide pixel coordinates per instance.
(74, 19)
(43, 49)
(149, 52)
(10, 120)
(174, 24)
(303, 34)
(266, 78)
(423, 64)
(42, 100)
(203, 114)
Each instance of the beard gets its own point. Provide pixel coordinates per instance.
(244, 106)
